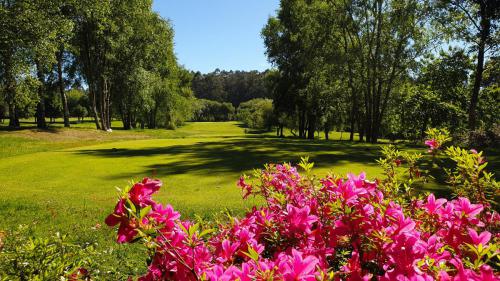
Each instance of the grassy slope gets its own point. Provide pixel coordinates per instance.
(199, 170)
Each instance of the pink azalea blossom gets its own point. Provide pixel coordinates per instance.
(300, 218)
(432, 204)
(140, 194)
(299, 268)
(432, 144)
(482, 238)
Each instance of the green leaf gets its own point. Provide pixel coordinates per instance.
(205, 232)
(252, 253)
(144, 211)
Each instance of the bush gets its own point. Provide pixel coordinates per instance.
(257, 114)
(79, 111)
(27, 258)
(213, 111)
(484, 138)
(332, 228)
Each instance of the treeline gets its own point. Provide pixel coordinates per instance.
(230, 95)
(120, 52)
(234, 87)
(371, 67)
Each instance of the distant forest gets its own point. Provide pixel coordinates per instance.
(231, 86)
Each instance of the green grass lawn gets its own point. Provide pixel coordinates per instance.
(64, 179)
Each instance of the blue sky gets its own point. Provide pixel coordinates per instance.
(222, 34)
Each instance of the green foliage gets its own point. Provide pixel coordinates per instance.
(439, 97)
(230, 86)
(401, 173)
(442, 136)
(349, 58)
(469, 178)
(27, 258)
(256, 114)
(209, 110)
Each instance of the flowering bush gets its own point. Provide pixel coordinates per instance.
(315, 229)
(469, 177)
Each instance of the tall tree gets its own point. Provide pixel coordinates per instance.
(93, 26)
(475, 22)
(12, 44)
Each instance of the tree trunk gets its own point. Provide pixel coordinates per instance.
(104, 105)
(94, 106)
(108, 105)
(10, 90)
(311, 129)
(64, 99)
(302, 123)
(483, 36)
(13, 118)
(361, 131)
(40, 107)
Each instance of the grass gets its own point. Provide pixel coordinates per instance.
(64, 179)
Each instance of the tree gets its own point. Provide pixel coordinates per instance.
(367, 45)
(93, 45)
(13, 45)
(230, 86)
(298, 42)
(475, 22)
(256, 114)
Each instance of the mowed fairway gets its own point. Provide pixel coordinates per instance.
(64, 189)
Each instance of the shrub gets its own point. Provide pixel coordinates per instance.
(256, 114)
(332, 228)
(54, 258)
(79, 111)
(213, 111)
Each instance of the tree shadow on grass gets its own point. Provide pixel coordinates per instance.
(48, 129)
(239, 155)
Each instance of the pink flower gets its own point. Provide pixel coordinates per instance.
(343, 226)
(299, 268)
(487, 274)
(126, 232)
(246, 188)
(118, 215)
(164, 216)
(349, 191)
(228, 251)
(432, 204)
(299, 218)
(482, 238)
(358, 181)
(140, 194)
(463, 207)
(432, 144)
